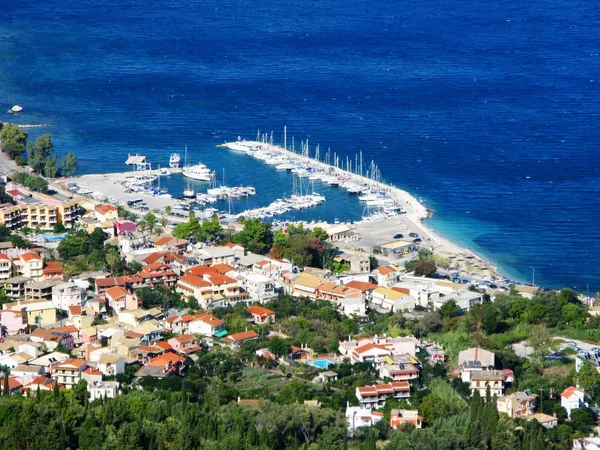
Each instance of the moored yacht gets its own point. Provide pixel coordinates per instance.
(197, 172)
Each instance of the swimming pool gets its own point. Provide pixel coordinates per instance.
(321, 363)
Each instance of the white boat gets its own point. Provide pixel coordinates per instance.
(15, 109)
(197, 172)
(188, 192)
(285, 166)
(164, 171)
(174, 160)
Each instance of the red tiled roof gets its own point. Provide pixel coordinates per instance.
(166, 358)
(209, 319)
(241, 337)
(116, 292)
(164, 345)
(223, 268)
(103, 209)
(259, 311)
(13, 383)
(75, 310)
(5, 257)
(70, 363)
(385, 270)
(194, 281)
(92, 371)
(367, 347)
(185, 338)
(568, 392)
(30, 256)
(217, 279)
(361, 285)
(53, 267)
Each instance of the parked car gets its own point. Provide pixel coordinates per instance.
(413, 235)
(417, 240)
(398, 236)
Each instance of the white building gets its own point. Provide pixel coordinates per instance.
(572, 398)
(259, 287)
(65, 295)
(361, 417)
(103, 389)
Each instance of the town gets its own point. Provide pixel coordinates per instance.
(351, 347)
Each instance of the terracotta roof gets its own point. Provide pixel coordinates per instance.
(66, 329)
(241, 337)
(367, 347)
(194, 281)
(75, 310)
(166, 358)
(185, 338)
(386, 270)
(387, 388)
(260, 311)
(209, 319)
(200, 270)
(165, 256)
(361, 286)
(116, 292)
(71, 363)
(568, 392)
(217, 279)
(232, 245)
(5, 257)
(164, 345)
(92, 371)
(30, 256)
(104, 209)
(223, 268)
(13, 383)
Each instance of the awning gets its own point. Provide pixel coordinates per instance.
(221, 334)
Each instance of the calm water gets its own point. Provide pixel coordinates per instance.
(488, 112)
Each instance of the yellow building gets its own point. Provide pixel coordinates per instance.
(39, 215)
(38, 313)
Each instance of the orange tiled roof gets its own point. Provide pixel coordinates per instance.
(104, 209)
(116, 292)
(166, 358)
(361, 286)
(385, 270)
(194, 280)
(260, 311)
(30, 256)
(240, 337)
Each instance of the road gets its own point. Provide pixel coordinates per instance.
(523, 351)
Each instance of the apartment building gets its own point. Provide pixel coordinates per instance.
(375, 396)
(40, 215)
(518, 404)
(68, 373)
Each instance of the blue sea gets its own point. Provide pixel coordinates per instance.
(488, 112)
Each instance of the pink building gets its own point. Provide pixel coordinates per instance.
(12, 322)
(120, 299)
(185, 344)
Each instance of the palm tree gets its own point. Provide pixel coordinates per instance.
(112, 258)
(150, 220)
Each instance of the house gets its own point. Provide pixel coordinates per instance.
(401, 417)
(162, 366)
(306, 286)
(119, 298)
(386, 276)
(365, 288)
(481, 380)
(42, 382)
(399, 372)
(237, 339)
(375, 396)
(341, 233)
(186, 344)
(102, 390)
(25, 374)
(29, 265)
(91, 375)
(106, 212)
(34, 349)
(129, 241)
(158, 274)
(179, 324)
(353, 307)
(206, 325)
(65, 295)
(357, 417)
(40, 290)
(14, 288)
(425, 293)
(68, 373)
(392, 300)
(586, 443)
(13, 386)
(209, 256)
(38, 313)
(375, 350)
(53, 271)
(360, 264)
(545, 420)
(464, 299)
(12, 322)
(572, 398)
(335, 293)
(127, 281)
(517, 404)
(261, 315)
(238, 249)
(211, 290)
(474, 360)
(165, 243)
(259, 287)
(399, 247)
(111, 364)
(52, 339)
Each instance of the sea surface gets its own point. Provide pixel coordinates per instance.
(487, 111)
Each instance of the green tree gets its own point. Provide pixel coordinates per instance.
(449, 309)
(373, 263)
(112, 258)
(256, 236)
(69, 165)
(51, 167)
(425, 269)
(151, 221)
(13, 140)
(588, 379)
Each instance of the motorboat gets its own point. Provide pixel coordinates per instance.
(174, 160)
(197, 172)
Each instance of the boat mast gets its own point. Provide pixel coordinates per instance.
(285, 137)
